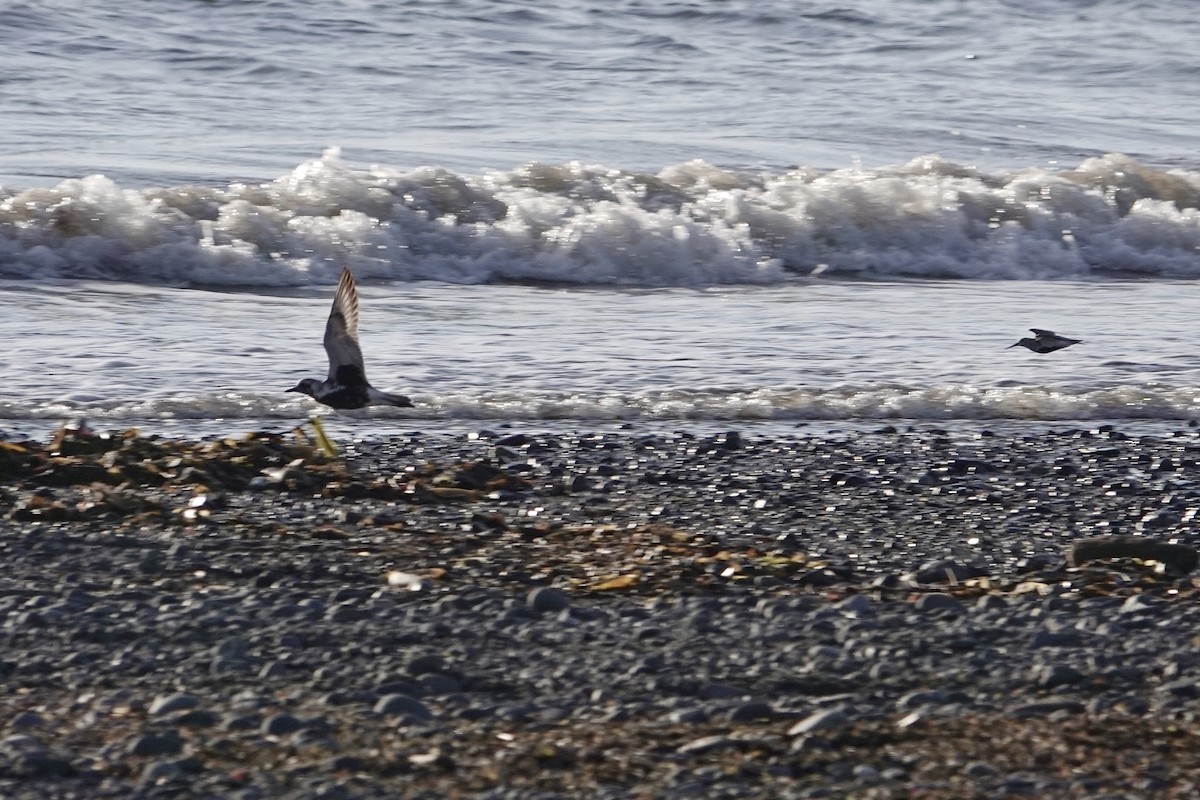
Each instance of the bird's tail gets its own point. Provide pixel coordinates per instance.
(385, 399)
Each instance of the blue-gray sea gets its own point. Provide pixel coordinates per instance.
(580, 213)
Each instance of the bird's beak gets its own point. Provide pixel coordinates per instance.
(293, 389)
(1011, 346)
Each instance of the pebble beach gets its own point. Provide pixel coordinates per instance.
(722, 476)
(510, 614)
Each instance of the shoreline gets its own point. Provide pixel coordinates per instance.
(597, 614)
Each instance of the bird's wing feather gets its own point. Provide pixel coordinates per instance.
(1043, 332)
(341, 331)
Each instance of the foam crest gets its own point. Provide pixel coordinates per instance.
(691, 224)
(845, 403)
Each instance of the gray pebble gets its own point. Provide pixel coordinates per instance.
(233, 648)
(688, 716)
(167, 704)
(426, 663)
(243, 722)
(1051, 675)
(978, 769)
(547, 599)
(708, 744)
(160, 772)
(945, 571)
(925, 697)
(1046, 708)
(390, 687)
(937, 601)
(280, 725)
(1020, 787)
(990, 602)
(866, 773)
(25, 720)
(403, 705)
(156, 743)
(274, 669)
(1139, 604)
(346, 763)
(858, 605)
(820, 721)
(434, 684)
(1184, 687)
(26, 759)
(751, 712)
(1066, 637)
(197, 718)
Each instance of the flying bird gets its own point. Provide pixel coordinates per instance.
(346, 386)
(1044, 341)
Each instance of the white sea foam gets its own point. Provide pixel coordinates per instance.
(691, 224)
(862, 403)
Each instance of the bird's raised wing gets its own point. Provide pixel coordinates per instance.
(341, 331)
(1043, 332)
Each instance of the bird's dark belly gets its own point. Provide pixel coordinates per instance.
(345, 397)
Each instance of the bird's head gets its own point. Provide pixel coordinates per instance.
(307, 386)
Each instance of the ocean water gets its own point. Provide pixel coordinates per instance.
(573, 213)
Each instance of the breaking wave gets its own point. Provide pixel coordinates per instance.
(691, 224)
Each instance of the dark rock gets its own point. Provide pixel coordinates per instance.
(1184, 687)
(1178, 558)
(1052, 675)
(281, 725)
(687, 716)
(25, 720)
(1140, 604)
(721, 691)
(938, 602)
(751, 712)
(156, 743)
(403, 705)
(42, 764)
(426, 664)
(547, 599)
(947, 571)
(1066, 637)
(167, 704)
(1046, 708)
(434, 684)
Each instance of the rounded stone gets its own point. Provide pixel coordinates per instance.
(422, 665)
(751, 712)
(168, 704)
(820, 721)
(155, 743)
(937, 601)
(281, 725)
(396, 705)
(547, 599)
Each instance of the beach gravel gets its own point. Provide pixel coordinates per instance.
(525, 614)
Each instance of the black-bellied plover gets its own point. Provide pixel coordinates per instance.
(346, 386)
(1044, 342)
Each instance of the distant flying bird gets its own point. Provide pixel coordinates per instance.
(1045, 342)
(346, 386)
